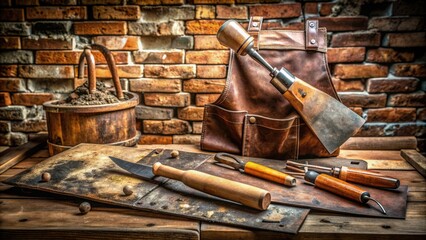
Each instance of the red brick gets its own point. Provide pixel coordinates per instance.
(10, 43)
(394, 24)
(155, 85)
(197, 127)
(203, 26)
(187, 139)
(391, 115)
(58, 2)
(211, 71)
(46, 43)
(102, 2)
(344, 86)
(345, 54)
(311, 8)
(191, 113)
(203, 99)
(214, 1)
(5, 99)
(124, 71)
(159, 56)
(416, 99)
(12, 14)
(168, 28)
(421, 114)
(207, 42)
(267, 11)
(46, 71)
(207, 57)
(204, 85)
(27, 2)
(12, 85)
(417, 39)
(8, 70)
(363, 100)
(118, 42)
(155, 139)
(157, 2)
(57, 12)
(31, 99)
(167, 127)
(72, 57)
(354, 71)
(413, 7)
(29, 125)
(356, 39)
(389, 55)
(326, 8)
(167, 100)
(392, 85)
(409, 69)
(117, 12)
(205, 12)
(231, 12)
(100, 28)
(338, 24)
(170, 71)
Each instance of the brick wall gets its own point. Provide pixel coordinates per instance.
(167, 52)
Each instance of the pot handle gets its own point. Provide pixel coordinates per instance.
(91, 68)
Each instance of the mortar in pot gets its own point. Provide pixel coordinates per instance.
(113, 123)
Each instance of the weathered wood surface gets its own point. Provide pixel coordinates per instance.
(380, 143)
(120, 223)
(417, 160)
(14, 155)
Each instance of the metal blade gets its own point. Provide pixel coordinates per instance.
(140, 170)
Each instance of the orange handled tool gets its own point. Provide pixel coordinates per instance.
(354, 175)
(340, 188)
(255, 169)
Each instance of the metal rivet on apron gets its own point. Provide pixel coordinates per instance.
(255, 24)
(252, 120)
(311, 24)
(313, 41)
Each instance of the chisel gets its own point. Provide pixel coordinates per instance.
(340, 188)
(245, 194)
(354, 175)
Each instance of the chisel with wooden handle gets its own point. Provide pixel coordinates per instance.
(354, 175)
(340, 188)
(245, 194)
(255, 169)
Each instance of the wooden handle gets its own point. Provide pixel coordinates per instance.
(269, 174)
(339, 187)
(238, 192)
(367, 178)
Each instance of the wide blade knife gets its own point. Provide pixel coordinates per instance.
(245, 194)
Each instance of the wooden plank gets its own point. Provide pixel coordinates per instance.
(388, 165)
(14, 155)
(9, 173)
(417, 160)
(29, 219)
(380, 143)
(326, 226)
(371, 154)
(28, 162)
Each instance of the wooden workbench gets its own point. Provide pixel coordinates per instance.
(29, 214)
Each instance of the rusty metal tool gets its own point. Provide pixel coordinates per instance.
(340, 188)
(331, 121)
(363, 177)
(238, 192)
(255, 169)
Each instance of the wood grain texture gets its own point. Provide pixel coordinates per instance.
(14, 155)
(417, 160)
(380, 143)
